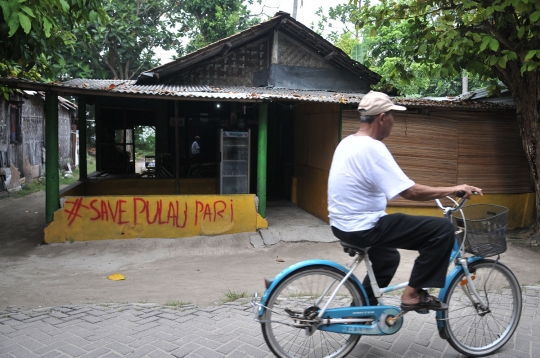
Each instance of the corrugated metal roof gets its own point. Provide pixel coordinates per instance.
(112, 87)
(482, 94)
(230, 93)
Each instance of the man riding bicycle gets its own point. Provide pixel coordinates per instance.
(363, 176)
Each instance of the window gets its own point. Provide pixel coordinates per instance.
(15, 124)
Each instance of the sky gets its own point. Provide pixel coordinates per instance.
(305, 14)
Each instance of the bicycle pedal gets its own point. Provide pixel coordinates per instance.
(423, 311)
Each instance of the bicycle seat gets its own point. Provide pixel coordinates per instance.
(353, 250)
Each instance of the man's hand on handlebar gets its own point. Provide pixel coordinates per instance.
(465, 191)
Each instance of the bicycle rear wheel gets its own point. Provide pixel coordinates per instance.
(300, 295)
(469, 329)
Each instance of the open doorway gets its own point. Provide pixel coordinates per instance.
(145, 148)
(281, 153)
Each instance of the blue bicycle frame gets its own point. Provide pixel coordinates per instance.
(366, 320)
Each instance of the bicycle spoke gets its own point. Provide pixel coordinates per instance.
(304, 293)
(472, 330)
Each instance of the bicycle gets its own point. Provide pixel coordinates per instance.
(317, 308)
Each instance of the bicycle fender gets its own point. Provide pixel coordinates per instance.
(442, 293)
(308, 263)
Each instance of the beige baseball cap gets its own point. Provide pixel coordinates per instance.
(375, 103)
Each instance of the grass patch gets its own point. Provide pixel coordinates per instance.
(231, 296)
(39, 184)
(176, 303)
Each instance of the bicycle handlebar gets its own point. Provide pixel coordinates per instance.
(460, 194)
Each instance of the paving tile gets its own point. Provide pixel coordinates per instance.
(159, 354)
(126, 330)
(22, 352)
(120, 348)
(51, 354)
(185, 350)
(96, 353)
(71, 350)
(141, 352)
(164, 345)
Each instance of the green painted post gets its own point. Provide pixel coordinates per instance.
(52, 191)
(261, 158)
(83, 167)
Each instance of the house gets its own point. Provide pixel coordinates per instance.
(293, 91)
(22, 135)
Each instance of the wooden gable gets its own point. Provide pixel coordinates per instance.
(278, 53)
(236, 68)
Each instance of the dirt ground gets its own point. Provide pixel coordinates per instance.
(199, 270)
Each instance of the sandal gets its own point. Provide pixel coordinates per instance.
(427, 301)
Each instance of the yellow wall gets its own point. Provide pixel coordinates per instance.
(312, 191)
(317, 126)
(520, 208)
(168, 216)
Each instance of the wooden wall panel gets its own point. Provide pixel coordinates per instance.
(302, 136)
(316, 134)
(491, 156)
(312, 192)
(448, 147)
(350, 122)
(323, 139)
(425, 148)
(316, 140)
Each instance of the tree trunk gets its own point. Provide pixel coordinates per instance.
(526, 92)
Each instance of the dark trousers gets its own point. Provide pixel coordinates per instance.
(432, 237)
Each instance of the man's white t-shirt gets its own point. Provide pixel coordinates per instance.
(363, 176)
(195, 149)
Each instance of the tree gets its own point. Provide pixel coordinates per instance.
(383, 51)
(124, 46)
(208, 21)
(34, 32)
(490, 38)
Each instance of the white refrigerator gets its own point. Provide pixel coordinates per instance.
(234, 166)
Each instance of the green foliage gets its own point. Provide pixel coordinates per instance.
(62, 39)
(145, 141)
(384, 54)
(207, 21)
(28, 188)
(176, 303)
(231, 296)
(123, 46)
(488, 39)
(351, 45)
(34, 31)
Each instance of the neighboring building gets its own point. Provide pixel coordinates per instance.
(22, 134)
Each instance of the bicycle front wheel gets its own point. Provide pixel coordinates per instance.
(478, 332)
(296, 301)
